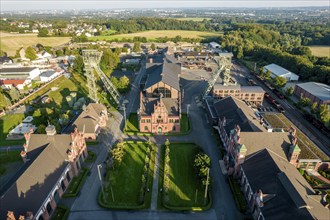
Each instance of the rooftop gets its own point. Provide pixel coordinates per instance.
(17, 70)
(277, 70)
(167, 73)
(238, 112)
(320, 90)
(88, 118)
(252, 89)
(48, 155)
(293, 197)
(47, 73)
(171, 105)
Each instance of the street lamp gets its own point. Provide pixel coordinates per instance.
(99, 166)
(188, 106)
(124, 108)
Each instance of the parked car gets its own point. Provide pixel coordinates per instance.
(278, 94)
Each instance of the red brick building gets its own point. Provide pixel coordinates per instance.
(160, 100)
(50, 162)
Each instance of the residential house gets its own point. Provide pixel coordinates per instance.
(91, 120)
(50, 162)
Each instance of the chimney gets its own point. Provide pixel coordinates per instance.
(259, 198)
(24, 156)
(25, 146)
(10, 215)
(50, 130)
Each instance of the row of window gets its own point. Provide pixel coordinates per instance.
(160, 121)
(147, 129)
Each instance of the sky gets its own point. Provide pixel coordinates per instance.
(13, 5)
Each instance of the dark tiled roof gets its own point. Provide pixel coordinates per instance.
(294, 197)
(171, 105)
(167, 73)
(89, 118)
(32, 188)
(237, 112)
(17, 70)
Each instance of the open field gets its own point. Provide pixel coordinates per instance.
(185, 189)
(192, 19)
(320, 51)
(125, 179)
(156, 34)
(308, 149)
(12, 42)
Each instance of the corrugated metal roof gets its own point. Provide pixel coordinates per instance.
(319, 90)
(278, 70)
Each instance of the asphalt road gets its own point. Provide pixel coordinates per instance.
(223, 205)
(297, 119)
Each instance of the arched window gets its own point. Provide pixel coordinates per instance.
(49, 209)
(166, 93)
(68, 177)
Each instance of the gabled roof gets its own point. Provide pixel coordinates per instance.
(167, 73)
(237, 112)
(294, 197)
(14, 82)
(48, 157)
(17, 69)
(171, 105)
(89, 118)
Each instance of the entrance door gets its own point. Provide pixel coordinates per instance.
(159, 130)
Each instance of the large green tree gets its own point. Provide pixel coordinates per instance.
(279, 81)
(136, 47)
(43, 32)
(30, 53)
(78, 65)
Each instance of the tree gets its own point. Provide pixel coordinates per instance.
(109, 60)
(153, 46)
(267, 74)
(3, 53)
(279, 81)
(78, 65)
(289, 91)
(314, 107)
(30, 53)
(167, 142)
(136, 47)
(239, 54)
(304, 101)
(324, 113)
(41, 129)
(43, 32)
(14, 94)
(59, 53)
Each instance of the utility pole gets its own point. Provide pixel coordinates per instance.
(99, 166)
(188, 106)
(207, 184)
(124, 107)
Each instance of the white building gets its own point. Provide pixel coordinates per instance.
(277, 70)
(18, 76)
(49, 75)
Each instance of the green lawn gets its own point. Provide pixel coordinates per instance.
(184, 184)
(308, 148)
(7, 123)
(6, 158)
(132, 124)
(76, 183)
(61, 213)
(154, 34)
(125, 179)
(184, 123)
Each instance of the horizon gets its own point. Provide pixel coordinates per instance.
(13, 5)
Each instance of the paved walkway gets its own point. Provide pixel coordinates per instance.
(154, 195)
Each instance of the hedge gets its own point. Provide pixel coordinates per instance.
(76, 183)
